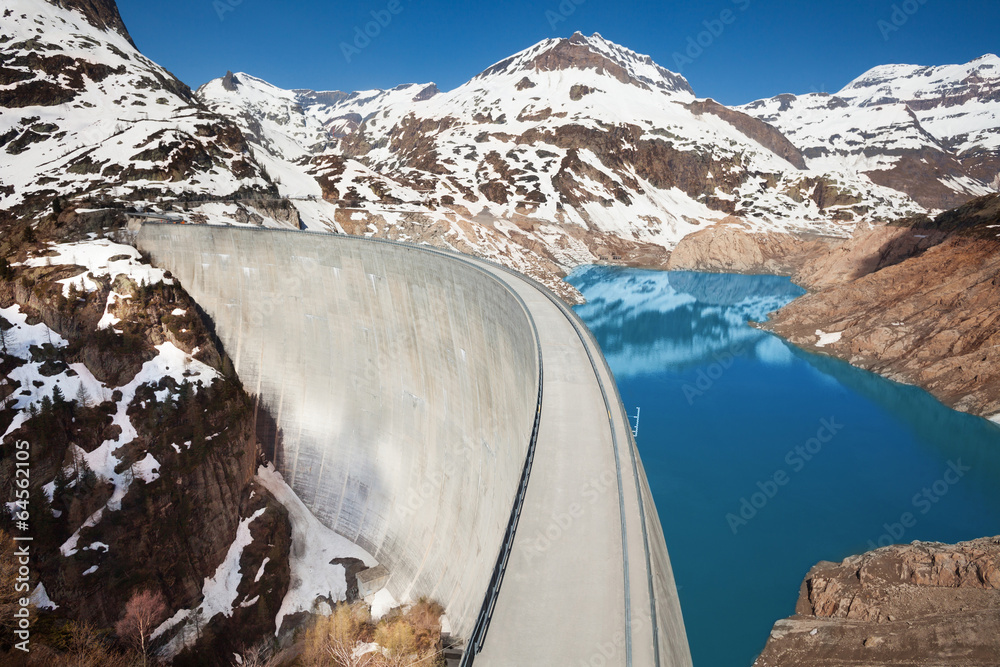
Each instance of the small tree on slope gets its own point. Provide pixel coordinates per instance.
(143, 612)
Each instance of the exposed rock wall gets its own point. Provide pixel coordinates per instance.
(730, 247)
(920, 604)
(928, 316)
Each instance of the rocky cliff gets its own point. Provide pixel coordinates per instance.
(83, 113)
(916, 301)
(910, 128)
(142, 440)
(918, 604)
(731, 246)
(579, 150)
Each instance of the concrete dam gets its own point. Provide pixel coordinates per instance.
(457, 421)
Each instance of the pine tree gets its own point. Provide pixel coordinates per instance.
(4, 335)
(58, 398)
(82, 397)
(61, 487)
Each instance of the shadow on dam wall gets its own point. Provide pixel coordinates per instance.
(404, 385)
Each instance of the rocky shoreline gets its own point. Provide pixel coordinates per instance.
(916, 604)
(915, 301)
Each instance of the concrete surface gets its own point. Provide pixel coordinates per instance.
(404, 382)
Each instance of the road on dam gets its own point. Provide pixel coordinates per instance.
(587, 579)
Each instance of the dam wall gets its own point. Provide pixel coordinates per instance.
(403, 386)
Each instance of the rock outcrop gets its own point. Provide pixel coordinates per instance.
(103, 528)
(733, 247)
(917, 302)
(921, 604)
(907, 127)
(102, 14)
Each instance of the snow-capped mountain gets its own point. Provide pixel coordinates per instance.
(82, 111)
(931, 132)
(569, 151)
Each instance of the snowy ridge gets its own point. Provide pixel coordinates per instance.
(492, 151)
(572, 151)
(948, 117)
(148, 136)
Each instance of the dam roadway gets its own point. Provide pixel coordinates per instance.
(559, 557)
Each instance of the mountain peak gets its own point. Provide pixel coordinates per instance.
(919, 86)
(592, 53)
(100, 13)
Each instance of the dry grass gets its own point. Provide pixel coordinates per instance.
(403, 638)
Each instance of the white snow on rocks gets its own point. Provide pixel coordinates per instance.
(40, 598)
(219, 593)
(96, 257)
(313, 547)
(169, 362)
(827, 338)
(148, 469)
(381, 603)
(32, 386)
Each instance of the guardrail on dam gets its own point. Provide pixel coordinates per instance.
(406, 382)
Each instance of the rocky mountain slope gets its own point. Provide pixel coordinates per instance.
(916, 301)
(918, 604)
(83, 113)
(140, 439)
(579, 150)
(931, 132)
(572, 151)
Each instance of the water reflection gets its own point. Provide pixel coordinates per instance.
(648, 321)
(723, 404)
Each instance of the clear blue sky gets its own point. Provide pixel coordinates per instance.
(768, 47)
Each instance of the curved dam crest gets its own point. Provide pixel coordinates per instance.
(403, 383)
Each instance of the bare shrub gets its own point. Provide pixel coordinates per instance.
(143, 612)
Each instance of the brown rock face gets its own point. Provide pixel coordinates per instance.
(918, 302)
(764, 134)
(729, 247)
(101, 13)
(866, 253)
(918, 174)
(916, 605)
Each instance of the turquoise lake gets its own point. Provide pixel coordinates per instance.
(729, 411)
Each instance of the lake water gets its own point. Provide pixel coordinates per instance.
(764, 459)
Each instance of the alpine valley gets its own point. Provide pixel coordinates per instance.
(882, 199)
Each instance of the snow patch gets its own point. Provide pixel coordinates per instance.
(260, 572)
(313, 547)
(40, 598)
(381, 603)
(218, 593)
(96, 258)
(827, 338)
